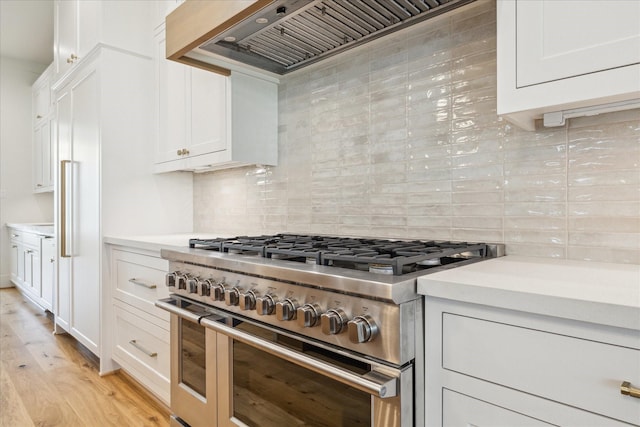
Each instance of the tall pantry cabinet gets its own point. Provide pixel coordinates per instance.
(104, 167)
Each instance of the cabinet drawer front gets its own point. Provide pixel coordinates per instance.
(578, 372)
(140, 281)
(31, 240)
(142, 349)
(461, 410)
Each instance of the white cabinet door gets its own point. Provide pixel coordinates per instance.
(78, 296)
(566, 58)
(171, 79)
(41, 97)
(66, 35)
(15, 261)
(43, 155)
(192, 110)
(48, 272)
(208, 96)
(558, 39)
(85, 232)
(63, 214)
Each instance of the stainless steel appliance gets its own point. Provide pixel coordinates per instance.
(301, 330)
(281, 36)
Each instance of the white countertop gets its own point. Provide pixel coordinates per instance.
(602, 293)
(157, 242)
(45, 229)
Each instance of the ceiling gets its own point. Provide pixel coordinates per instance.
(26, 30)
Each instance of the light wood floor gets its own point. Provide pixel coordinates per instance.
(51, 380)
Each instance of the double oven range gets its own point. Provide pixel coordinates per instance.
(292, 330)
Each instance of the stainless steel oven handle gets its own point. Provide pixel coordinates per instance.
(375, 383)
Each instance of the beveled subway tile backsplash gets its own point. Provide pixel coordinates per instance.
(399, 138)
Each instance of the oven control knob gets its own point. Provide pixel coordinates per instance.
(333, 321)
(217, 291)
(182, 281)
(308, 315)
(192, 285)
(265, 305)
(205, 287)
(248, 300)
(232, 296)
(286, 310)
(362, 329)
(171, 279)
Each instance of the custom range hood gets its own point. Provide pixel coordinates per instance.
(280, 36)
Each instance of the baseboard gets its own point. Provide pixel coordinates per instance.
(5, 281)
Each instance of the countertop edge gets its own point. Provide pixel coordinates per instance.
(534, 295)
(42, 229)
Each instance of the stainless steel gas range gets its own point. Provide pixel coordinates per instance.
(302, 330)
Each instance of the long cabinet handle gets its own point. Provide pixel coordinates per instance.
(143, 283)
(63, 208)
(628, 390)
(142, 349)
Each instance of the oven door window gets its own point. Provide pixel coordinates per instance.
(193, 356)
(269, 391)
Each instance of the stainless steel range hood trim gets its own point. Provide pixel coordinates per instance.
(309, 35)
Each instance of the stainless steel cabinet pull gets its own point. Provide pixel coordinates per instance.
(628, 390)
(64, 182)
(142, 349)
(141, 282)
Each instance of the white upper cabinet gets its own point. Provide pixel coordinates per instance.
(41, 97)
(207, 121)
(80, 25)
(560, 55)
(43, 142)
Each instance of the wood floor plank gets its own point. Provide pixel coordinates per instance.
(13, 412)
(43, 401)
(52, 380)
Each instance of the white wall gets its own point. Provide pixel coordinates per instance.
(400, 138)
(18, 203)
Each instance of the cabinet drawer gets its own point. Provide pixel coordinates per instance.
(578, 372)
(459, 410)
(32, 240)
(142, 349)
(139, 280)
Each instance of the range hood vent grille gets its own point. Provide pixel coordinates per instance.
(311, 30)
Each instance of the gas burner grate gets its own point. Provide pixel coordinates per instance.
(395, 257)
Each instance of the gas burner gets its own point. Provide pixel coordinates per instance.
(380, 256)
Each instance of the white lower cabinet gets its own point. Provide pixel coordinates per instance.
(32, 270)
(495, 367)
(140, 332)
(142, 349)
(48, 272)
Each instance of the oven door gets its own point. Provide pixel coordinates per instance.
(268, 378)
(193, 373)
